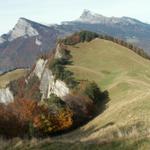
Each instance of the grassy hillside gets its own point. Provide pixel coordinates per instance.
(124, 124)
(10, 76)
(48, 144)
(126, 76)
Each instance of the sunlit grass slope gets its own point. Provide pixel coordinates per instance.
(10, 76)
(124, 124)
(126, 76)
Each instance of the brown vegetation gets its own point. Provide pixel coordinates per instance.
(86, 36)
(27, 118)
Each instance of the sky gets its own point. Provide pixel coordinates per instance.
(56, 11)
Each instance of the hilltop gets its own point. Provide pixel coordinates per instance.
(126, 76)
(124, 123)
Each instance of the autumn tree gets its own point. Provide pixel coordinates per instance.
(16, 116)
(48, 123)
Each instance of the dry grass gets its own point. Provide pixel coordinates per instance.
(125, 124)
(127, 77)
(10, 76)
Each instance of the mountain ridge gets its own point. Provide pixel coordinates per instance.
(24, 43)
(91, 17)
(23, 27)
(29, 38)
(126, 28)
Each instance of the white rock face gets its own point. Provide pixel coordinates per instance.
(58, 52)
(2, 40)
(39, 68)
(22, 28)
(90, 17)
(47, 82)
(60, 89)
(6, 96)
(38, 42)
(50, 86)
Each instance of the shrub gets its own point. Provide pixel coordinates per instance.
(16, 117)
(82, 107)
(55, 102)
(65, 56)
(93, 91)
(80, 37)
(59, 71)
(49, 123)
(56, 116)
(27, 118)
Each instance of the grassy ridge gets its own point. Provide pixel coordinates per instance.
(127, 77)
(125, 123)
(10, 76)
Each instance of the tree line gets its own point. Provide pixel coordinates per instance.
(86, 36)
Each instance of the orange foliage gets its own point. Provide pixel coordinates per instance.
(53, 122)
(25, 109)
(16, 117)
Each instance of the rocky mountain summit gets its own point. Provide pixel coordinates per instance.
(94, 18)
(24, 43)
(28, 39)
(22, 29)
(125, 28)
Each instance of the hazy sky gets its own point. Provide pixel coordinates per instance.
(55, 11)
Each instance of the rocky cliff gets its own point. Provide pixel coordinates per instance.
(24, 43)
(6, 96)
(48, 84)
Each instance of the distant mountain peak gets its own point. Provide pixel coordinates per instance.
(22, 19)
(88, 16)
(22, 28)
(88, 13)
(91, 17)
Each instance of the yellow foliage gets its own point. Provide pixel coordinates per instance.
(53, 122)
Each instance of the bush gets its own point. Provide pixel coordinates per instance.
(82, 107)
(57, 66)
(79, 37)
(27, 118)
(65, 56)
(55, 102)
(93, 91)
(49, 123)
(59, 71)
(16, 117)
(56, 117)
